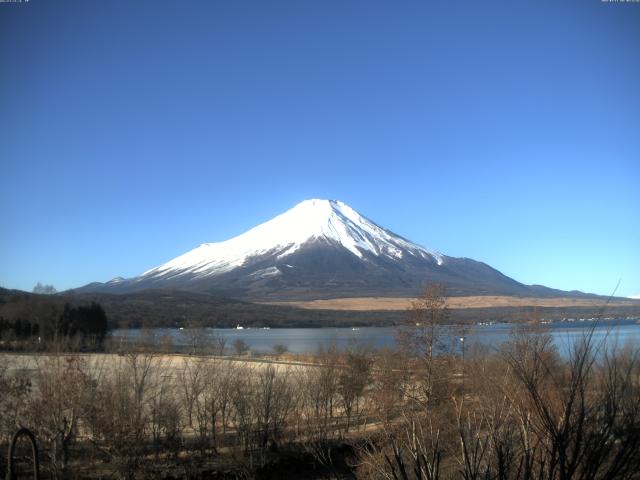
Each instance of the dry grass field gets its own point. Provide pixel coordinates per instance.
(172, 365)
(394, 303)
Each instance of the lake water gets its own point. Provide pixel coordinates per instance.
(308, 340)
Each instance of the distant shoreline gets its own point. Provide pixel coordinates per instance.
(491, 301)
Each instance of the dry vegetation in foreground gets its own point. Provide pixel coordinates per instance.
(522, 413)
(418, 413)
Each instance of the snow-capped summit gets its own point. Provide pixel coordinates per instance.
(308, 222)
(317, 249)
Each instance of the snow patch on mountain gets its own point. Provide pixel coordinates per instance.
(310, 221)
(266, 272)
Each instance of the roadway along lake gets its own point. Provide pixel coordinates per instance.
(308, 340)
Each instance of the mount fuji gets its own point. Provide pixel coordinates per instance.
(319, 249)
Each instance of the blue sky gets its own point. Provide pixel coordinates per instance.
(508, 132)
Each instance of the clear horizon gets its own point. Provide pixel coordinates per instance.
(132, 132)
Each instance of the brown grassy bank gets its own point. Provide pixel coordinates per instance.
(396, 303)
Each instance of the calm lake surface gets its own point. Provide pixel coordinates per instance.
(308, 340)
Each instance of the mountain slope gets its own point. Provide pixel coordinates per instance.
(308, 222)
(320, 249)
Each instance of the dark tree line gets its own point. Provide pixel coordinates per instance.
(30, 318)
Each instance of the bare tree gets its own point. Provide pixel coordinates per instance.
(196, 337)
(353, 378)
(56, 405)
(208, 390)
(390, 377)
(16, 388)
(583, 418)
(280, 349)
(223, 381)
(119, 411)
(241, 347)
(191, 383)
(273, 401)
(165, 418)
(241, 392)
(422, 334)
(411, 450)
(44, 289)
(320, 392)
(218, 343)
(527, 414)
